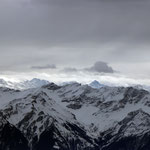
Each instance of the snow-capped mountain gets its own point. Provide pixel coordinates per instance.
(44, 122)
(34, 83)
(8, 84)
(96, 84)
(78, 117)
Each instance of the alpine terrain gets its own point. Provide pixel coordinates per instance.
(74, 117)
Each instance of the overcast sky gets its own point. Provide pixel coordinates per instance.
(71, 38)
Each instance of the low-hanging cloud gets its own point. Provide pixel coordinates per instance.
(100, 67)
(70, 69)
(49, 66)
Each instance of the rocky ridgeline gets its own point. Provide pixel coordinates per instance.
(74, 117)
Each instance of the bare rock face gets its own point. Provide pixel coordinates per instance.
(74, 106)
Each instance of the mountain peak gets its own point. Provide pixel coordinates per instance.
(96, 84)
(51, 86)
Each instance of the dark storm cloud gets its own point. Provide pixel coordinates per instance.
(50, 66)
(36, 31)
(100, 67)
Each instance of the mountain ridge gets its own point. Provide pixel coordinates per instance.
(76, 116)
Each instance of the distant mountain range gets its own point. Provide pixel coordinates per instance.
(35, 83)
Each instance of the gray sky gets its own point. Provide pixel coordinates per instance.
(71, 36)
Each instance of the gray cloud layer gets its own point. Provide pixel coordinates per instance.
(55, 22)
(49, 66)
(74, 32)
(70, 70)
(97, 67)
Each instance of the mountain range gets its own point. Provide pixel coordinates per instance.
(74, 117)
(35, 83)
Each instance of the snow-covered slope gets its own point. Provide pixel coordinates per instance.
(100, 106)
(76, 116)
(131, 133)
(36, 114)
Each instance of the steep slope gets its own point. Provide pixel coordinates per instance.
(132, 133)
(46, 124)
(10, 137)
